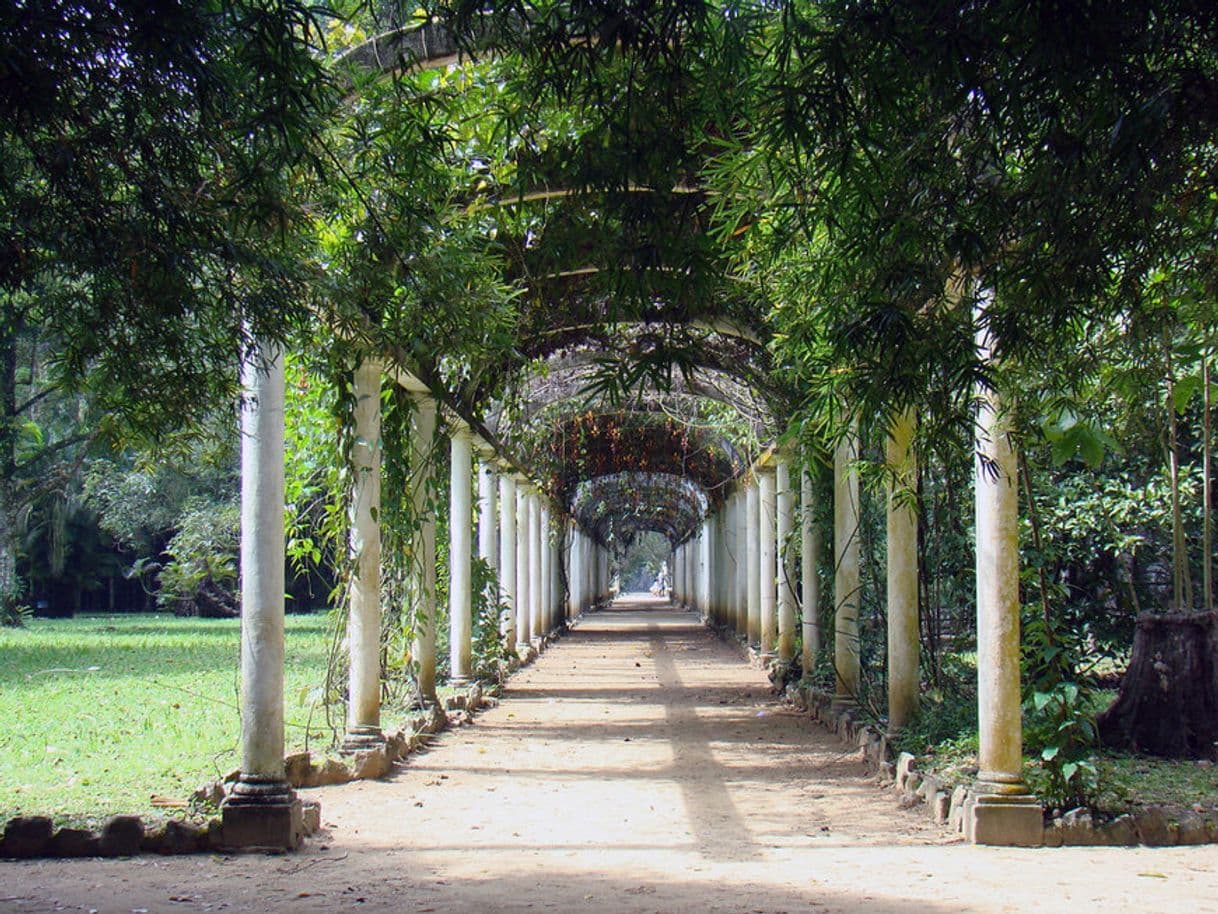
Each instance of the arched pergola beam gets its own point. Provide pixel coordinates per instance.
(620, 504)
(418, 46)
(560, 379)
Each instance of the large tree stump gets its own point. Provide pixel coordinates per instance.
(1168, 702)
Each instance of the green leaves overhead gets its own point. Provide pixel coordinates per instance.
(150, 198)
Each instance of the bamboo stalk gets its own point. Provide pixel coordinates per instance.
(1207, 505)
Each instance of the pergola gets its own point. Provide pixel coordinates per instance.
(564, 475)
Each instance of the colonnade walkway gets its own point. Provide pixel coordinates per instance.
(639, 765)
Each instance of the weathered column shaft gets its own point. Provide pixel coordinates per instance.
(753, 507)
(547, 577)
(1000, 727)
(809, 577)
(460, 556)
(507, 556)
(691, 573)
(741, 600)
(488, 529)
(1004, 811)
(718, 565)
(557, 610)
(574, 572)
(262, 568)
(846, 566)
(581, 582)
(903, 679)
(695, 570)
(262, 810)
(599, 587)
(364, 543)
(686, 598)
(524, 631)
(425, 617)
(536, 587)
(705, 545)
(785, 498)
(768, 561)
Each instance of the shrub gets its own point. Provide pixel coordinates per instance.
(200, 576)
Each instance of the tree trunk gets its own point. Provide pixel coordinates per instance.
(1168, 703)
(10, 585)
(1207, 490)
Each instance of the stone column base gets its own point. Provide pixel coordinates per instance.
(261, 815)
(1006, 821)
(358, 739)
(844, 702)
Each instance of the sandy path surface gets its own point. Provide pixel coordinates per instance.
(638, 765)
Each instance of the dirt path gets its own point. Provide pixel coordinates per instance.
(639, 765)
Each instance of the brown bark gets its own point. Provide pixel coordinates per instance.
(1168, 702)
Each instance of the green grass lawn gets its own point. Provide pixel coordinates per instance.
(98, 714)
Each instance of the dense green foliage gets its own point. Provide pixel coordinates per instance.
(705, 225)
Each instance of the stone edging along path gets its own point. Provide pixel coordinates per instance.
(126, 835)
(1155, 826)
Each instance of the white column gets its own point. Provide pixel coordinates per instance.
(785, 498)
(547, 570)
(524, 631)
(742, 564)
(753, 508)
(597, 592)
(1000, 726)
(723, 564)
(690, 568)
(809, 552)
(728, 583)
(488, 539)
(587, 562)
(590, 560)
(998, 698)
(704, 567)
(768, 562)
(557, 610)
(507, 556)
(460, 556)
(716, 567)
(1004, 812)
(692, 571)
(422, 439)
(846, 565)
(258, 811)
(678, 575)
(581, 580)
(364, 545)
(902, 574)
(535, 581)
(574, 571)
